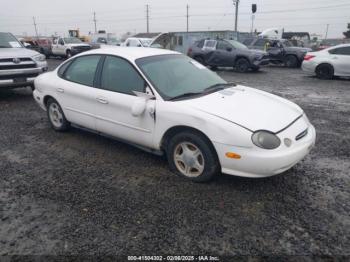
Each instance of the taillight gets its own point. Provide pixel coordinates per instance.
(189, 52)
(308, 57)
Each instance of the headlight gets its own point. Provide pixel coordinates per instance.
(39, 58)
(266, 140)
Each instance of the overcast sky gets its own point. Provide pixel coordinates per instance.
(120, 16)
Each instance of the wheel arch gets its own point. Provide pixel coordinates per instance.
(172, 131)
(241, 56)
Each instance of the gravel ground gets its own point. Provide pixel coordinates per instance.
(78, 193)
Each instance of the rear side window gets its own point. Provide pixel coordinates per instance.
(120, 76)
(210, 43)
(340, 51)
(200, 44)
(63, 68)
(82, 70)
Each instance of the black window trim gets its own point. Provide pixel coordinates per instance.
(71, 62)
(98, 78)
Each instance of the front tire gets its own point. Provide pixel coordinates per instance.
(325, 71)
(291, 61)
(242, 65)
(68, 54)
(190, 155)
(56, 116)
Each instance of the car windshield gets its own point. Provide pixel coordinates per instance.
(72, 40)
(178, 75)
(146, 42)
(237, 45)
(9, 41)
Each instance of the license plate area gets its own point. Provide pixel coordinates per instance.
(20, 80)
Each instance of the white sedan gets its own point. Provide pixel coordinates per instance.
(167, 103)
(330, 62)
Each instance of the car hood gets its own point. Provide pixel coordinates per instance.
(252, 52)
(248, 107)
(17, 52)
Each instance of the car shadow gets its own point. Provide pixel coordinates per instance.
(15, 94)
(336, 78)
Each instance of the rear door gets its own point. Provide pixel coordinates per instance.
(75, 90)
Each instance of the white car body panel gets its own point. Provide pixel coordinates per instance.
(227, 118)
(340, 63)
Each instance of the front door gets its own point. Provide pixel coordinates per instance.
(115, 99)
(341, 60)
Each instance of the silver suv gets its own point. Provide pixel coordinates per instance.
(18, 66)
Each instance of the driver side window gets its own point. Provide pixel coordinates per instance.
(120, 76)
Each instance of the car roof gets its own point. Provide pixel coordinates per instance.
(130, 53)
(337, 46)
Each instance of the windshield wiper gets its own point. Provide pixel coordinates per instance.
(185, 95)
(218, 87)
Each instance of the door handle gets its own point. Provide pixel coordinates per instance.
(61, 90)
(102, 100)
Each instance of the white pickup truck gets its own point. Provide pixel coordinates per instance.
(18, 66)
(68, 46)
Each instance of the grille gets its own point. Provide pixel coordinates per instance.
(82, 48)
(10, 60)
(301, 135)
(7, 77)
(17, 66)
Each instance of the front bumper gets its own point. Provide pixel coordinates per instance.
(261, 62)
(257, 163)
(39, 99)
(21, 77)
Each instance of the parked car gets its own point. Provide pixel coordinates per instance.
(327, 63)
(99, 40)
(18, 65)
(326, 43)
(227, 53)
(280, 51)
(167, 103)
(42, 46)
(68, 46)
(138, 42)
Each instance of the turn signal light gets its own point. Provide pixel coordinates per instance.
(233, 155)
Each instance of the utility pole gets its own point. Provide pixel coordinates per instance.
(187, 16)
(95, 22)
(147, 17)
(327, 31)
(235, 3)
(36, 30)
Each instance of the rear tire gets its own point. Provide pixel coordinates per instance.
(56, 116)
(291, 61)
(190, 155)
(242, 65)
(325, 72)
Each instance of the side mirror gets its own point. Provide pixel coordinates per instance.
(140, 105)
